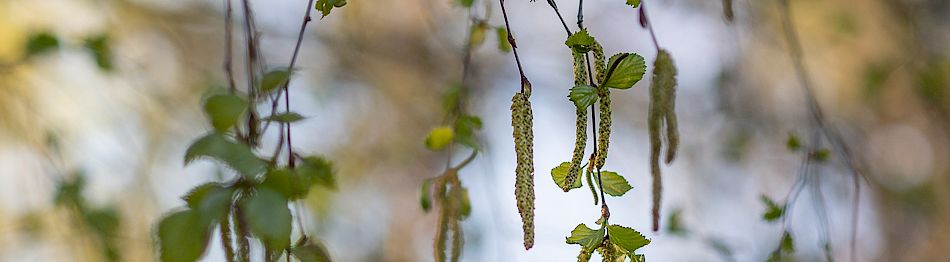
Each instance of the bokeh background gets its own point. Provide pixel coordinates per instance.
(370, 80)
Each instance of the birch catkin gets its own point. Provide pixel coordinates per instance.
(580, 78)
(603, 132)
(661, 114)
(521, 123)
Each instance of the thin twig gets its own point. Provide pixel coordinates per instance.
(290, 69)
(643, 15)
(514, 48)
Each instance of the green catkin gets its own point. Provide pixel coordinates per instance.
(660, 112)
(600, 66)
(603, 131)
(443, 229)
(580, 78)
(521, 122)
(611, 252)
(457, 240)
(590, 184)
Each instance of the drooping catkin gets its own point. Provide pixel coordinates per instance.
(600, 65)
(603, 132)
(580, 78)
(661, 114)
(521, 123)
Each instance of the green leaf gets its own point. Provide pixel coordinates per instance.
(586, 237)
(311, 252)
(772, 210)
(477, 35)
(465, 127)
(269, 219)
(41, 42)
(182, 236)
(315, 170)
(281, 180)
(624, 70)
(238, 157)
(459, 196)
(211, 200)
(583, 96)
(787, 245)
(69, 191)
(674, 224)
(274, 79)
(439, 137)
(425, 195)
(559, 174)
(224, 111)
(626, 238)
(503, 43)
(324, 6)
(466, 3)
(633, 3)
(793, 144)
(614, 184)
(288, 117)
(103, 221)
(822, 155)
(580, 42)
(101, 51)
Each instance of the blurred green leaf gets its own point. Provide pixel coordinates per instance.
(238, 157)
(69, 192)
(101, 50)
(772, 210)
(624, 70)
(586, 237)
(311, 252)
(41, 42)
(559, 174)
(315, 170)
(614, 184)
(503, 43)
(439, 138)
(425, 195)
(626, 238)
(477, 34)
(182, 236)
(274, 79)
(269, 219)
(822, 155)
(793, 144)
(465, 127)
(583, 96)
(224, 111)
(674, 224)
(466, 3)
(633, 3)
(459, 196)
(281, 181)
(288, 117)
(325, 6)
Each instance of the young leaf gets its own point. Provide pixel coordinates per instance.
(793, 144)
(477, 35)
(182, 236)
(324, 6)
(586, 237)
(238, 157)
(315, 170)
(633, 3)
(583, 96)
(624, 70)
(614, 184)
(503, 43)
(627, 238)
(281, 180)
(466, 3)
(772, 210)
(439, 137)
(425, 195)
(580, 41)
(288, 117)
(274, 79)
(224, 110)
(559, 174)
(210, 200)
(40, 43)
(311, 252)
(269, 219)
(99, 47)
(465, 128)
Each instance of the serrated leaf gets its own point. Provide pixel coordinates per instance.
(633, 3)
(425, 195)
(312, 252)
(626, 238)
(325, 6)
(182, 236)
(580, 41)
(586, 237)
(211, 200)
(772, 210)
(224, 110)
(274, 79)
(315, 170)
(99, 47)
(238, 157)
(288, 117)
(41, 42)
(439, 137)
(477, 35)
(583, 96)
(559, 174)
(503, 43)
(614, 184)
(625, 70)
(269, 219)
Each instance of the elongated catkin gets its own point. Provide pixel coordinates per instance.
(661, 114)
(521, 123)
(580, 143)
